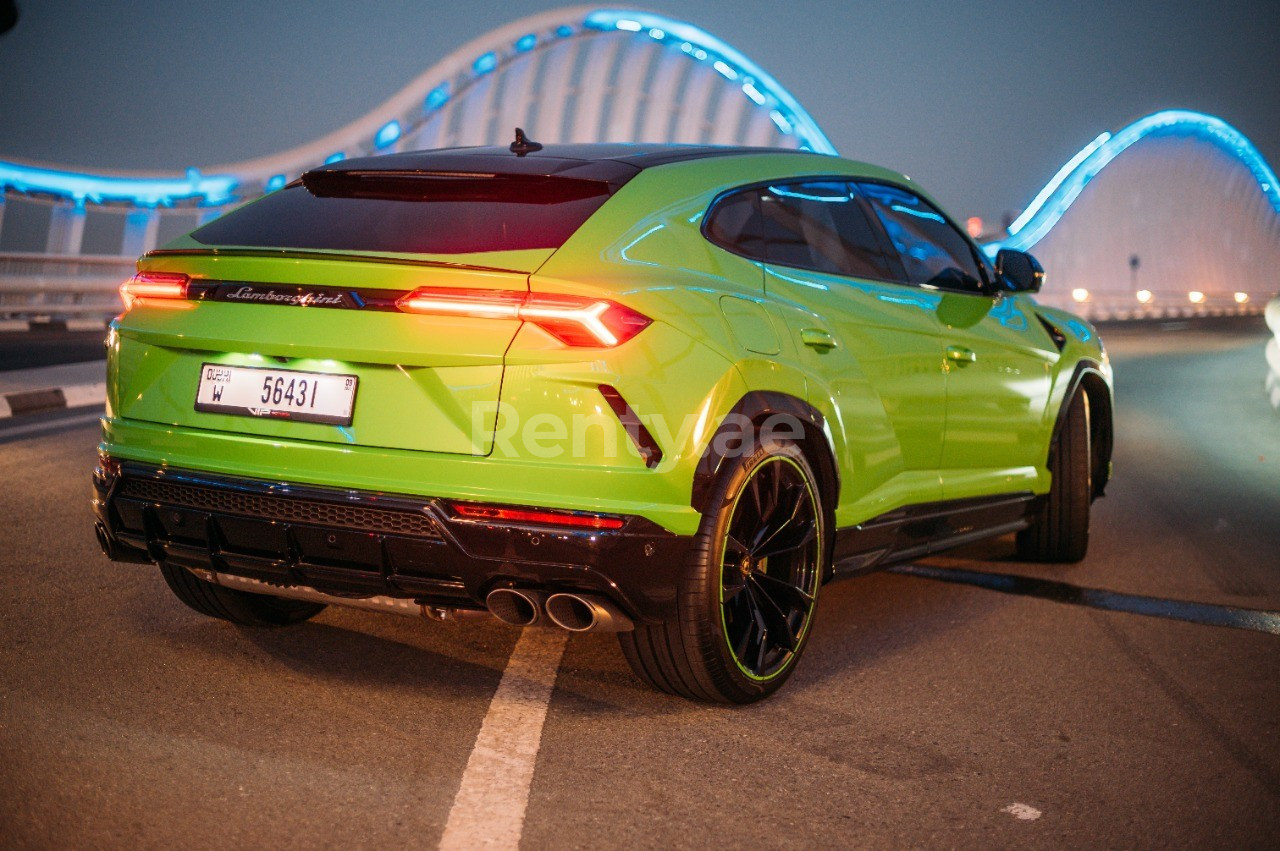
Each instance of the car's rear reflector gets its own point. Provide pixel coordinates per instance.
(153, 285)
(573, 320)
(537, 517)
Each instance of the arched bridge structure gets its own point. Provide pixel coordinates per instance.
(1176, 214)
(1184, 194)
(574, 75)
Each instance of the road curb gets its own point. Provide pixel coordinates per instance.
(22, 402)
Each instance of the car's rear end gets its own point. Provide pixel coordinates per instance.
(360, 384)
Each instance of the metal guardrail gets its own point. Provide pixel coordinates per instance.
(47, 286)
(1273, 353)
(1125, 307)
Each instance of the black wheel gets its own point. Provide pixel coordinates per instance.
(1060, 530)
(746, 604)
(239, 607)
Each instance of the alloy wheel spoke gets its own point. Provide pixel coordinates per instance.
(806, 534)
(776, 618)
(750, 622)
(736, 544)
(770, 531)
(786, 595)
(732, 590)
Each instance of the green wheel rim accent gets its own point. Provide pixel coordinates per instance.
(770, 568)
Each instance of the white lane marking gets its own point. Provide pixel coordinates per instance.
(488, 811)
(78, 395)
(49, 425)
(1025, 812)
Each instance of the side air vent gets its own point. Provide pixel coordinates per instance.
(1059, 339)
(640, 436)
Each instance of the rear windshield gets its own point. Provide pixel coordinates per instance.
(412, 213)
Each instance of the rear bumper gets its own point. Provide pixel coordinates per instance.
(364, 543)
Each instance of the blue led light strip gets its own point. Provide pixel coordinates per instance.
(1058, 195)
(99, 189)
(214, 191)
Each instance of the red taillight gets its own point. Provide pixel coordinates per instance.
(573, 320)
(153, 285)
(473, 511)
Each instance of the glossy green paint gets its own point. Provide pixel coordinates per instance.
(495, 410)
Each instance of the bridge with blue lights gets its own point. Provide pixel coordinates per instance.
(1186, 219)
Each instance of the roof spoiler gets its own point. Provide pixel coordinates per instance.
(451, 186)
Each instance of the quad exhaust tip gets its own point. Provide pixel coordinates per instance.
(583, 613)
(515, 606)
(574, 612)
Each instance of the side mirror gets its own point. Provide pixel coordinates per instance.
(1018, 271)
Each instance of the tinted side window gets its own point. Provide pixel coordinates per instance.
(820, 226)
(932, 251)
(735, 224)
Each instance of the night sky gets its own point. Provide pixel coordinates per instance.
(980, 102)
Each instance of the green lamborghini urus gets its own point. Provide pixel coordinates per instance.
(659, 390)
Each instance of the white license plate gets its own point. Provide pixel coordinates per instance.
(309, 397)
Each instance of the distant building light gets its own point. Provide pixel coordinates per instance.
(1080, 294)
(338, 156)
(687, 47)
(656, 33)
(973, 225)
(752, 92)
(629, 26)
(564, 31)
(779, 119)
(485, 63)
(1144, 296)
(388, 135)
(1242, 298)
(700, 54)
(276, 182)
(526, 42)
(1195, 297)
(725, 70)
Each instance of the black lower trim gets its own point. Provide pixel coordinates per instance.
(920, 530)
(364, 543)
(751, 411)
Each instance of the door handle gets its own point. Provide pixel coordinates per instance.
(817, 338)
(961, 355)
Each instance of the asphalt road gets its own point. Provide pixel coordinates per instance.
(923, 712)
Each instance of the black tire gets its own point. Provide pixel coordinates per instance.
(692, 656)
(239, 607)
(1060, 530)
